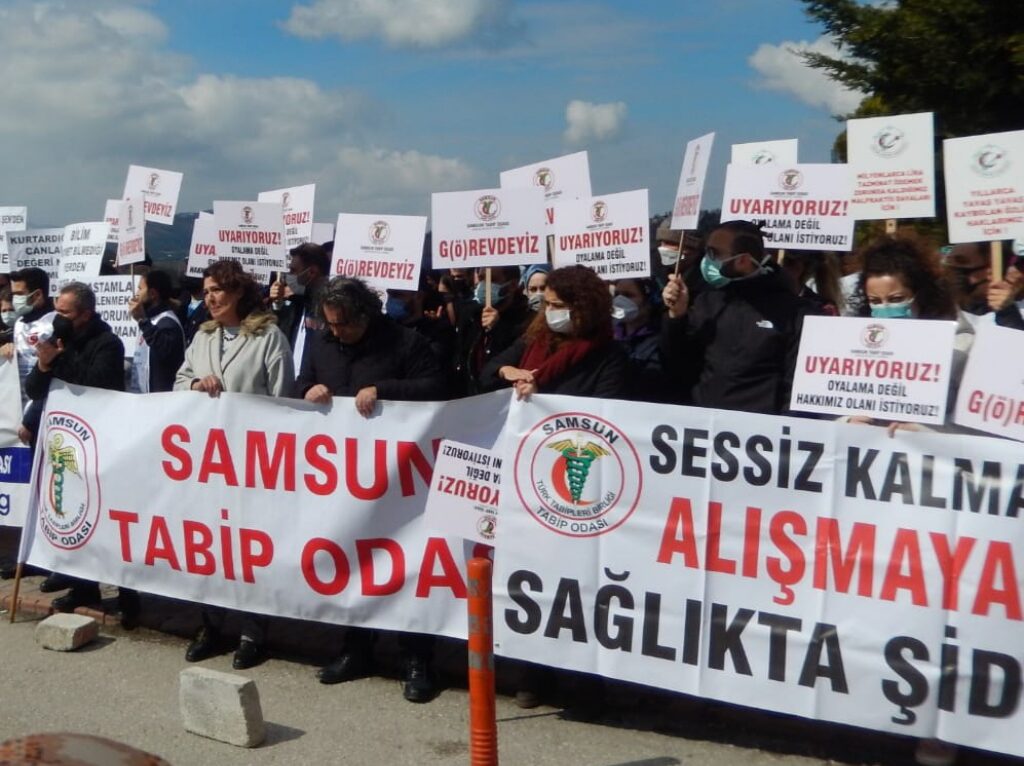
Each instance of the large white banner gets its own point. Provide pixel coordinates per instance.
(985, 186)
(566, 177)
(609, 234)
(81, 253)
(159, 190)
(802, 207)
(273, 506)
(15, 457)
(686, 208)
(11, 219)
(487, 227)
(893, 162)
(783, 152)
(37, 248)
(386, 251)
(991, 396)
(253, 234)
(297, 209)
(812, 568)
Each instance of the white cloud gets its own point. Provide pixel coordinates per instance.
(586, 121)
(783, 69)
(88, 89)
(415, 23)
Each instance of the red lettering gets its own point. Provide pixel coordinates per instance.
(198, 541)
(409, 456)
(336, 584)
(183, 469)
(123, 519)
(998, 565)
(450, 577)
(257, 457)
(250, 559)
(159, 545)
(678, 535)
(905, 547)
(364, 551)
(321, 465)
(860, 556)
(715, 562)
(217, 459)
(380, 470)
(952, 565)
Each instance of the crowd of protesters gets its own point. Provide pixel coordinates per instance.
(717, 325)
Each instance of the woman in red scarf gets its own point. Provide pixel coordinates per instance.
(568, 348)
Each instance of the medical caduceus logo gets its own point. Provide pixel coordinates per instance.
(69, 489)
(578, 474)
(63, 460)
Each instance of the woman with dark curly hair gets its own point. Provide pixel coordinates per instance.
(568, 348)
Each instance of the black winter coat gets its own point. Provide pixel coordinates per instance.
(93, 357)
(736, 347)
(602, 374)
(166, 341)
(395, 359)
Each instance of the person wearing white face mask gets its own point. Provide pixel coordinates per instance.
(33, 308)
(637, 329)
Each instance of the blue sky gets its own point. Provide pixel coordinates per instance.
(382, 102)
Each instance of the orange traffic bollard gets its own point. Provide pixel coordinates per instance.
(483, 726)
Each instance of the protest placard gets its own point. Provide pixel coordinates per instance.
(566, 177)
(112, 296)
(686, 210)
(297, 209)
(203, 247)
(385, 251)
(488, 227)
(991, 396)
(15, 457)
(984, 186)
(464, 492)
(802, 207)
(609, 234)
(81, 254)
(886, 369)
(253, 234)
(111, 212)
(322, 232)
(782, 152)
(11, 219)
(131, 232)
(893, 163)
(37, 248)
(159, 190)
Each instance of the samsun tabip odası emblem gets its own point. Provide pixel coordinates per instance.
(578, 474)
(69, 501)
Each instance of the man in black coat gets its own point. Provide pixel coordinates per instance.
(161, 349)
(735, 347)
(296, 296)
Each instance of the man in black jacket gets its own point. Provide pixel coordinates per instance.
(296, 296)
(735, 348)
(161, 349)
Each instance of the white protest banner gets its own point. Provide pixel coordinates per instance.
(112, 296)
(253, 234)
(159, 190)
(487, 227)
(686, 210)
(272, 506)
(322, 232)
(991, 396)
(893, 163)
(15, 457)
(812, 568)
(37, 248)
(985, 186)
(111, 213)
(131, 233)
(203, 247)
(565, 177)
(609, 234)
(386, 251)
(783, 152)
(81, 254)
(802, 207)
(11, 219)
(464, 493)
(887, 369)
(297, 208)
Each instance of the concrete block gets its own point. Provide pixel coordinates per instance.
(221, 706)
(66, 632)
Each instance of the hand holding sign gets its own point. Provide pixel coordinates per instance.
(675, 296)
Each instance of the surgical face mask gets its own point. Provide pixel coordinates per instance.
(711, 270)
(497, 293)
(21, 304)
(668, 255)
(892, 310)
(293, 284)
(624, 309)
(396, 308)
(559, 320)
(536, 300)
(9, 318)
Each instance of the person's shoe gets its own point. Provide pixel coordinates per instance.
(417, 685)
(55, 582)
(129, 606)
(347, 666)
(249, 654)
(76, 597)
(204, 645)
(935, 752)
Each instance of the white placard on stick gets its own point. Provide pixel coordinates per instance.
(37, 248)
(297, 208)
(112, 296)
(386, 251)
(159, 190)
(488, 227)
(802, 207)
(131, 232)
(82, 251)
(893, 163)
(686, 210)
(464, 492)
(783, 152)
(985, 186)
(111, 214)
(991, 396)
(886, 369)
(253, 234)
(566, 177)
(203, 248)
(609, 234)
(12, 218)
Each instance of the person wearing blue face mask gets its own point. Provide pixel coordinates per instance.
(734, 346)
